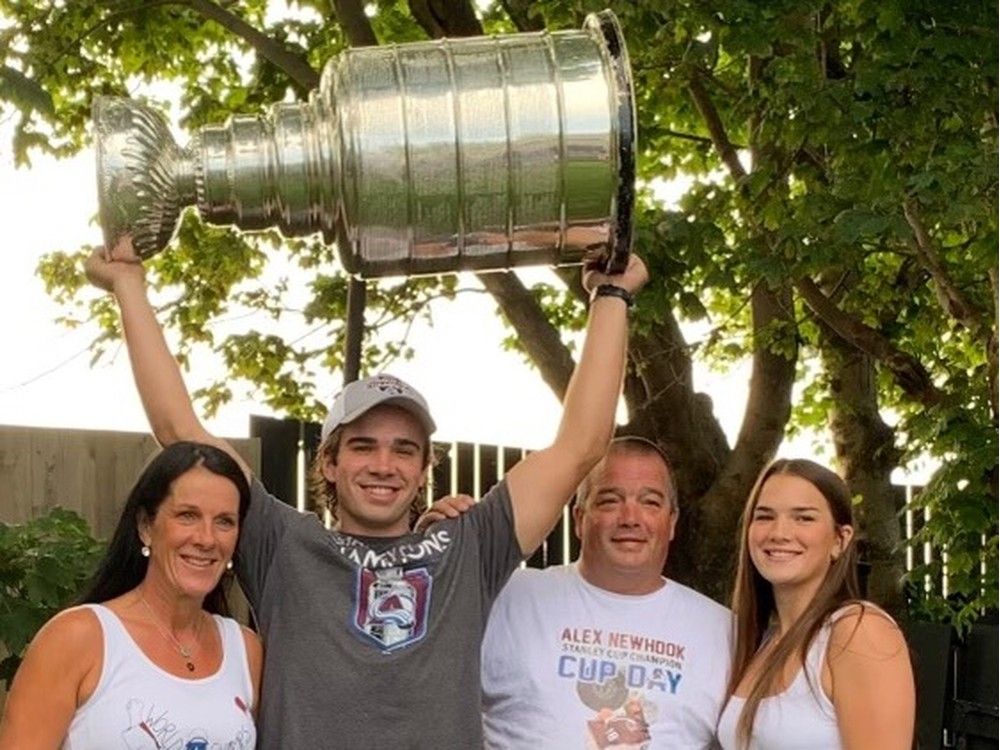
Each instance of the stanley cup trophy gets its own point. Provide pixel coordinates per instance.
(454, 154)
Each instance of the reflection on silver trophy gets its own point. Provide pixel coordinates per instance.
(454, 154)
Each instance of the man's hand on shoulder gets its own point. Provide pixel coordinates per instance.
(447, 507)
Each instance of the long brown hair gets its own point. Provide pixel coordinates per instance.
(123, 566)
(753, 596)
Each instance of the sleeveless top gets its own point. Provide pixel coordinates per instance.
(139, 706)
(801, 717)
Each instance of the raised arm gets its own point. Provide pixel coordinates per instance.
(158, 378)
(544, 482)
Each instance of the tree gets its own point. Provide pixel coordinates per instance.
(840, 230)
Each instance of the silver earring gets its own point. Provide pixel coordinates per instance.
(145, 550)
(229, 564)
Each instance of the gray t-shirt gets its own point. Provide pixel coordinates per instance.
(372, 642)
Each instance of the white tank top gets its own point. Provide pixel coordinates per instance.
(800, 718)
(139, 706)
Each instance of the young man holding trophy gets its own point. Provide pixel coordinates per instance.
(372, 633)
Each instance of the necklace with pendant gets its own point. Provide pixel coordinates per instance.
(185, 652)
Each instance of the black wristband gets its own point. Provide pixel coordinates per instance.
(610, 290)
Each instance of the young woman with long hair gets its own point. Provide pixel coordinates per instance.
(814, 665)
(147, 660)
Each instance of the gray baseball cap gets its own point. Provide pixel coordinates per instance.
(361, 395)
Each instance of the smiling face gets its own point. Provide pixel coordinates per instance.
(626, 523)
(792, 537)
(377, 471)
(193, 533)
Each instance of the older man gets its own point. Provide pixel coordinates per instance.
(606, 652)
(372, 633)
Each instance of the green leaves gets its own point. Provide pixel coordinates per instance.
(24, 93)
(43, 567)
(857, 224)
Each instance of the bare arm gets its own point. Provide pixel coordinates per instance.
(255, 661)
(58, 673)
(872, 683)
(157, 376)
(543, 483)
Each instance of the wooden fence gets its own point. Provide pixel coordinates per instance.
(86, 471)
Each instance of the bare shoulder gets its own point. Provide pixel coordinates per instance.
(70, 630)
(252, 640)
(862, 630)
(57, 675)
(255, 650)
(68, 647)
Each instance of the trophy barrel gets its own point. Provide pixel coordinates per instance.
(484, 153)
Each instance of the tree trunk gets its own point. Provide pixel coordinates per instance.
(664, 407)
(866, 454)
(713, 480)
(762, 429)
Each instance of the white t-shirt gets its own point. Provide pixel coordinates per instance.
(569, 665)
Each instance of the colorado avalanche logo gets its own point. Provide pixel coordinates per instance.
(392, 606)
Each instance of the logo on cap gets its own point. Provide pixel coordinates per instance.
(389, 384)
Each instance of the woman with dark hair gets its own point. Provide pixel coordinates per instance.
(148, 660)
(814, 666)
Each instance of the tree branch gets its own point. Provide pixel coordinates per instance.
(768, 407)
(720, 140)
(994, 286)
(357, 28)
(270, 49)
(538, 336)
(866, 456)
(687, 136)
(992, 353)
(951, 299)
(948, 295)
(446, 18)
(664, 406)
(520, 13)
(574, 283)
(771, 380)
(909, 374)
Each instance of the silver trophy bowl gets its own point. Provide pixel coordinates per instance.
(454, 154)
